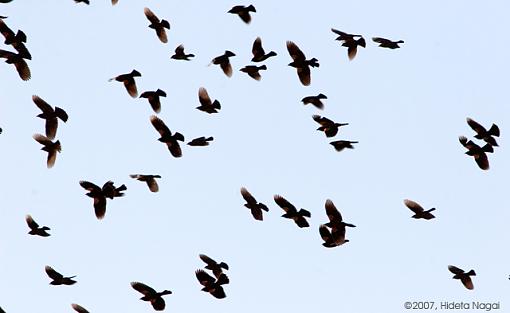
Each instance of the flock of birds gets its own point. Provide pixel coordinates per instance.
(332, 232)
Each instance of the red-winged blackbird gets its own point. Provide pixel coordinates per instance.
(315, 100)
(50, 115)
(149, 294)
(153, 97)
(212, 285)
(180, 55)
(215, 267)
(49, 146)
(255, 207)
(150, 180)
(463, 276)
(243, 12)
(224, 62)
(329, 127)
(57, 278)
(301, 64)
(157, 25)
(386, 43)
(129, 82)
(259, 54)
(35, 229)
(484, 134)
(171, 140)
(419, 211)
(253, 71)
(292, 213)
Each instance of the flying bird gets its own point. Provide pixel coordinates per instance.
(315, 100)
(206, 105)
(334, 216)
(479, 153)
(243, 12)
(16, 40)
(299, 217)
(253, 71)
(333, 238)
(212, 285)
(172, 141)
(18, 62)
(35, 229)
(419, 211)
(258, 52)
(100, 194)
(157, 25)
(78, 308)
(57, 278)
(350, 41)
(215, 267)
(149, 294)
(386, 43)
(49, 146)
(329, 127)
(82, 1)
(340, 145)
(301, 64)
(150, 180)
(50, 115)
(200, 141)
(463, 276)
(129, 82)
(484, 134)
(110, 191)
(255, 207)
(181, 55)
(153, 97)
(224, 62)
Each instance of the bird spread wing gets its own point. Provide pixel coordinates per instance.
(295, 53)
(247, 196)
(284, 204)
(143, 288)
(160, 126)
(415, 207)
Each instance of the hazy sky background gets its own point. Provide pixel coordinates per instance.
(406, 108)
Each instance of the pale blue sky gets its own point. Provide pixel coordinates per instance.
(406, 108)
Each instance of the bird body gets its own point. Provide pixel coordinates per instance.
(386, 43)
(255, 207)
(35, 229)
(299, 217)
(419, 211)
(340, 145)
(301, 64)
(150, 295)
(171, 140)
(200, 141)
(157, 25)
(258, 52)
(50, 115)
(224, 62)
(206, 105)
(329, 127)
(49, 146)
(129, 82)
(212, 285)
(463, 276)
(154, 99)
(149, 179)
(181, 55)
(315, 100)
(57, 278)
(253, 71)
(243, 12)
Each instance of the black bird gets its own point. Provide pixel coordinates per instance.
(255, 207)
(172, 141)
(315, 100)
(110, 191)
(82, 1)
(19, 63)
(50, 115)
(484, 134)
(157, 25)
(1, 130)
(153, 97)
(200, 141)
(211, 285)
(149, 179)
(333, 238)
(215, 267)
(479, 153)
(253, 71)
(301, 64)
(350, 41)
(149, 294)
(329, 127)
(463, 276)
(342, 144)
(35, 229)
(386, 43)
(49, 146)
(224, 62)
(78, 308)
(57, 278)
(243, 12)
(259, 54)
(419, 211)
(17, 41)
(129, 82)
(180, 55)
(334, 216)
(292, 213)
(206, 105)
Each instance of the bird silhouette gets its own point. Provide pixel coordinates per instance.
(386, 43)
(315, 100)
(299, 217)
(181, 55)
(253, 71)
(18, 62)
(157, 25)
(153, 97)
(150, 180)
(129, 82)
(49, 146)
(57, 278)
(212, 285)
(243, 12)
(206, 105)
(301, 64)
(333, 238)
(100, 194)
(329, 127)
(463, 276)
(350, 41)
(200, 141)
(35, 229)
(110, 191)
(340, 145)
(419, 211)
(212, 265)
(86, 2)
(50, 115)
(255, 207)
(149, 294)
(172, 141)
(258, 52)
(16, 40)
(479, 153)
(484, 134)
(224, 62)
(78, 308)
